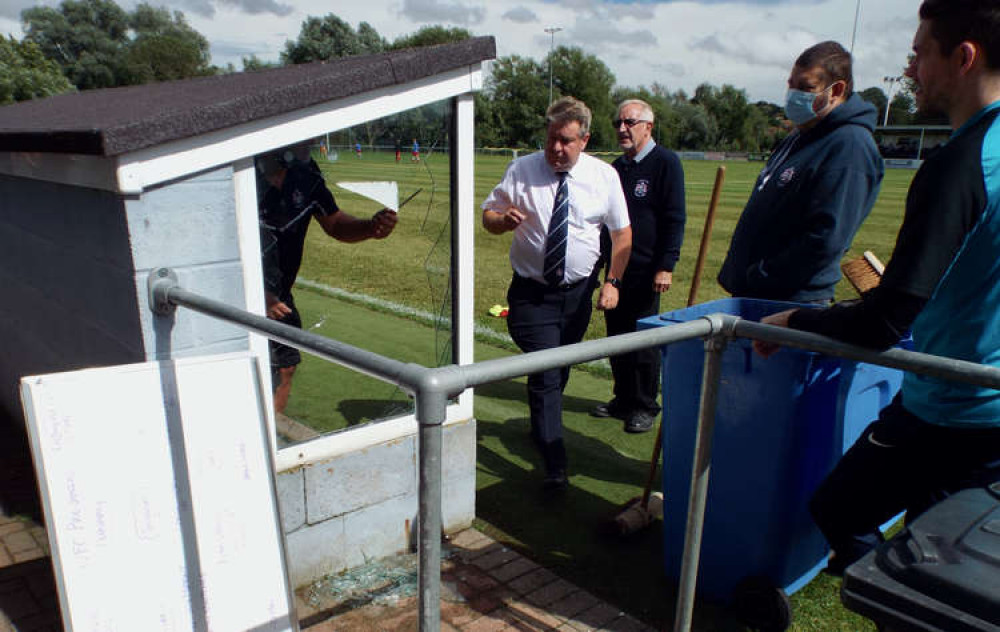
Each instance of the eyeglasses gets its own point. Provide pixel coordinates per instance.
(628, 122)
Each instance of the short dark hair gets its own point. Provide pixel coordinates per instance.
(568, 109)
(957, 21)
(270, 164)
(833, 59)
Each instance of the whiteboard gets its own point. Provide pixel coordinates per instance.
(158, 490)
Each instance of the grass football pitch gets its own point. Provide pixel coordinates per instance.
(607, 466)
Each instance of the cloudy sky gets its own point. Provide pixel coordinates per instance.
(750, 44)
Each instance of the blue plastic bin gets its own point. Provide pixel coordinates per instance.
(781, 424)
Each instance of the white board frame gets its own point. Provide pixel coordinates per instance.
(157, 482)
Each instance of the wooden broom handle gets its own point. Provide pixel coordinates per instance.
(706, 234)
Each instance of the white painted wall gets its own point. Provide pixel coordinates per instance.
(88, 228)
(362, 505)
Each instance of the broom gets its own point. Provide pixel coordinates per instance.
(864, 272)
(639, 512)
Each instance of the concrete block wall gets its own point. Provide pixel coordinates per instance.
(344, 511)
(73, 269)
(189, 226)
(68, 279)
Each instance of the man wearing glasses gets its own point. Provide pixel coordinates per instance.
(818, 186)
(653, 181)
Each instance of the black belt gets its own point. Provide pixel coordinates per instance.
(561, 286)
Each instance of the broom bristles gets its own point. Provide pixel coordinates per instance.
(863, 273)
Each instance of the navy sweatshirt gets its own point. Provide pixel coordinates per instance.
(805, 208)
(654, 190)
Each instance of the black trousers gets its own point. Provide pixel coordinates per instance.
(900, 463)
(544, 317)
(283, 356)
(637, 374)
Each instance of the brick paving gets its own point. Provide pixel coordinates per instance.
(514, 595)
(485, 586)
(28, 599)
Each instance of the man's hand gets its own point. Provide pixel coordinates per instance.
(498, 222)
(662, 281)
(608, 299)
(382, 223)
(767, 349)
(276, 310)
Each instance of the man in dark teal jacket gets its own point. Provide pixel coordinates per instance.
(812, 195)
(943, 284)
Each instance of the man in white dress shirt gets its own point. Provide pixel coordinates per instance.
(556, 202)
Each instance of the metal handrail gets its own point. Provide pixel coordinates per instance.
(432, 388)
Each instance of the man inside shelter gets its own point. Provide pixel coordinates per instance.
(297, 193)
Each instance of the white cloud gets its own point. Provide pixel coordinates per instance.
(601, 36)
(442, 11)
(11, 9)
(750, 44)
(261, 6)
(522, 15)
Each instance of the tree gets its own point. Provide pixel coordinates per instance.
(98, 45)
(697, 127)
(253, 63)
(430, 35)
(777, 127)
(329, 38)
(165, 47)
(730, 108)
(587, 78)
(876, 97)
(754, 134)
(26, 74)
(488, 131)
(901, 109)
(87, 38)
(520, 96)
(370, 40)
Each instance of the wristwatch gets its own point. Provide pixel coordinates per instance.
(614, 281)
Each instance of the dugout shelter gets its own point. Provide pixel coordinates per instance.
(98, 188)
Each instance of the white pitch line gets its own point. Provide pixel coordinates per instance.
(418, 315)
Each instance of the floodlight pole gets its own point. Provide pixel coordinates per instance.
(888, 100)
(552, 30)
(857, 12)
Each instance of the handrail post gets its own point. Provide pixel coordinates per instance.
(715, 345)
(431, 407)
(158, 285)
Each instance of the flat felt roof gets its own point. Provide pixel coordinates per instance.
(116, 121)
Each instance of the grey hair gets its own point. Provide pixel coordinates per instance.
(568, 109)
(646, 111)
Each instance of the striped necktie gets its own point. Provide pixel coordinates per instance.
(555, 241)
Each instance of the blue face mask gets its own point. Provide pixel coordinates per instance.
(799, 106)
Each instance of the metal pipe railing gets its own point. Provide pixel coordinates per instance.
(165, 293)
(432, 388)
(715, 345)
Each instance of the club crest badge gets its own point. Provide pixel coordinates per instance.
(298, 198)
(641, 188)
(786, 176)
